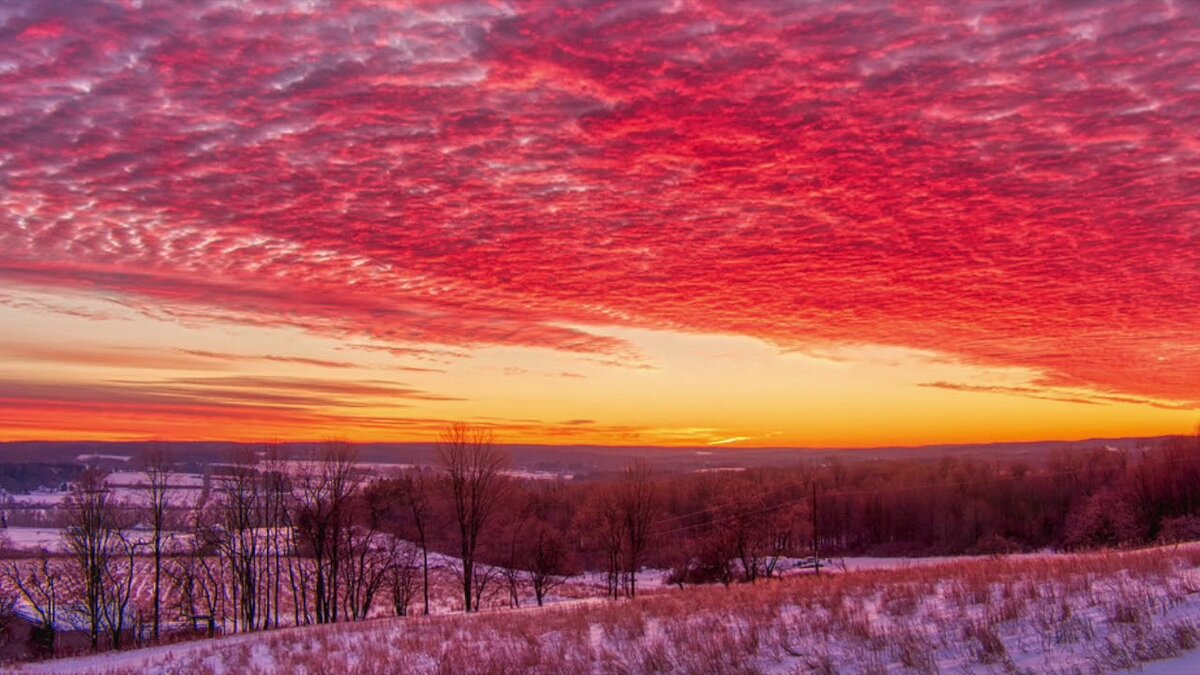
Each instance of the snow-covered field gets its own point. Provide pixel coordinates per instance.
(49, 538)
(139, 479)
(532, 474)
(101, 457)
(1087, 613)
(46, 499)
(127, 486)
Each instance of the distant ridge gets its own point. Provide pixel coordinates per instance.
(583, 459)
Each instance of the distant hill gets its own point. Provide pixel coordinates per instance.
(578, 460)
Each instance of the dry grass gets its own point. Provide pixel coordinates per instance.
(1019, 614)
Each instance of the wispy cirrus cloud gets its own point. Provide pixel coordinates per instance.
(269, 358)
(1060, 395)
(105, 357)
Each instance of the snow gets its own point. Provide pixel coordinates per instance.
(140, 479)
(893, 615)
(313, 466)
(130, 486)
(861, 563)
(1180, 665)
(101, 457)
(135, 660)
(39, 498)
(530, 474)
(33, 537)
(49, 538)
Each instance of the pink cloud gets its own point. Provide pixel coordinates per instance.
(1014, 185)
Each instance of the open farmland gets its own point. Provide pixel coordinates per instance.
(264, 542)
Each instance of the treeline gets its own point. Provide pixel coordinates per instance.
(1074, 499)
(19, 477)
(272, 541)
(728, 526)
(1101, 497)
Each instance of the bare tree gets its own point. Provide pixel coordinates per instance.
(326, 487)
(287, 494)
(210, 589)
(182, 575)
(414, 491)
(91, 539)
(602, 521)
(119, 577)
(402, 579)
(514, 555)
(8, 611)
(546, 559)
(786, 528)
(484, 575)
(746, 524)
(705, 558)
(300, 573)
(369, 557)
(158, 472)
(42, 585)
(637, 501)
(474, 477)
(196, 572)
(277, 499)
(241, 520)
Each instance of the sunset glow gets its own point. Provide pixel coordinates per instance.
(635, 223)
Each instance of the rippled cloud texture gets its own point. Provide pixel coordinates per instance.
(1010, 185)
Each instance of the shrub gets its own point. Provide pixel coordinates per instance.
(994, 544)
(1179, 529)
(1105, 518)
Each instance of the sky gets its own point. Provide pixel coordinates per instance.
(735, 223)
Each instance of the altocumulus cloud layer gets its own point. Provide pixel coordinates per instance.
(1011, 184)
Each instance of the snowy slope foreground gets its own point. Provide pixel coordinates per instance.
(1087, 613)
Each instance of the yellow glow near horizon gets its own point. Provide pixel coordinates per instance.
(138, 377)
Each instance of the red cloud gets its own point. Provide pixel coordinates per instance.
(1015, 185)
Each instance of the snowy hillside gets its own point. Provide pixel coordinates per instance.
(1101, 612)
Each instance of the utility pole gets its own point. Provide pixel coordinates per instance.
(816, 548)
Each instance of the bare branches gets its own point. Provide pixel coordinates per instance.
(92, 540)
(325, 488)
(474, 476)
(601, 522)
(414, 491)
(158, 471)
(119, 576)
(637, 500)
(241, 501)
(402, 580)
(43, 585)
(546, 558)
(369, 556)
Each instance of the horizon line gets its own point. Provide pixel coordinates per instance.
(702, 448)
